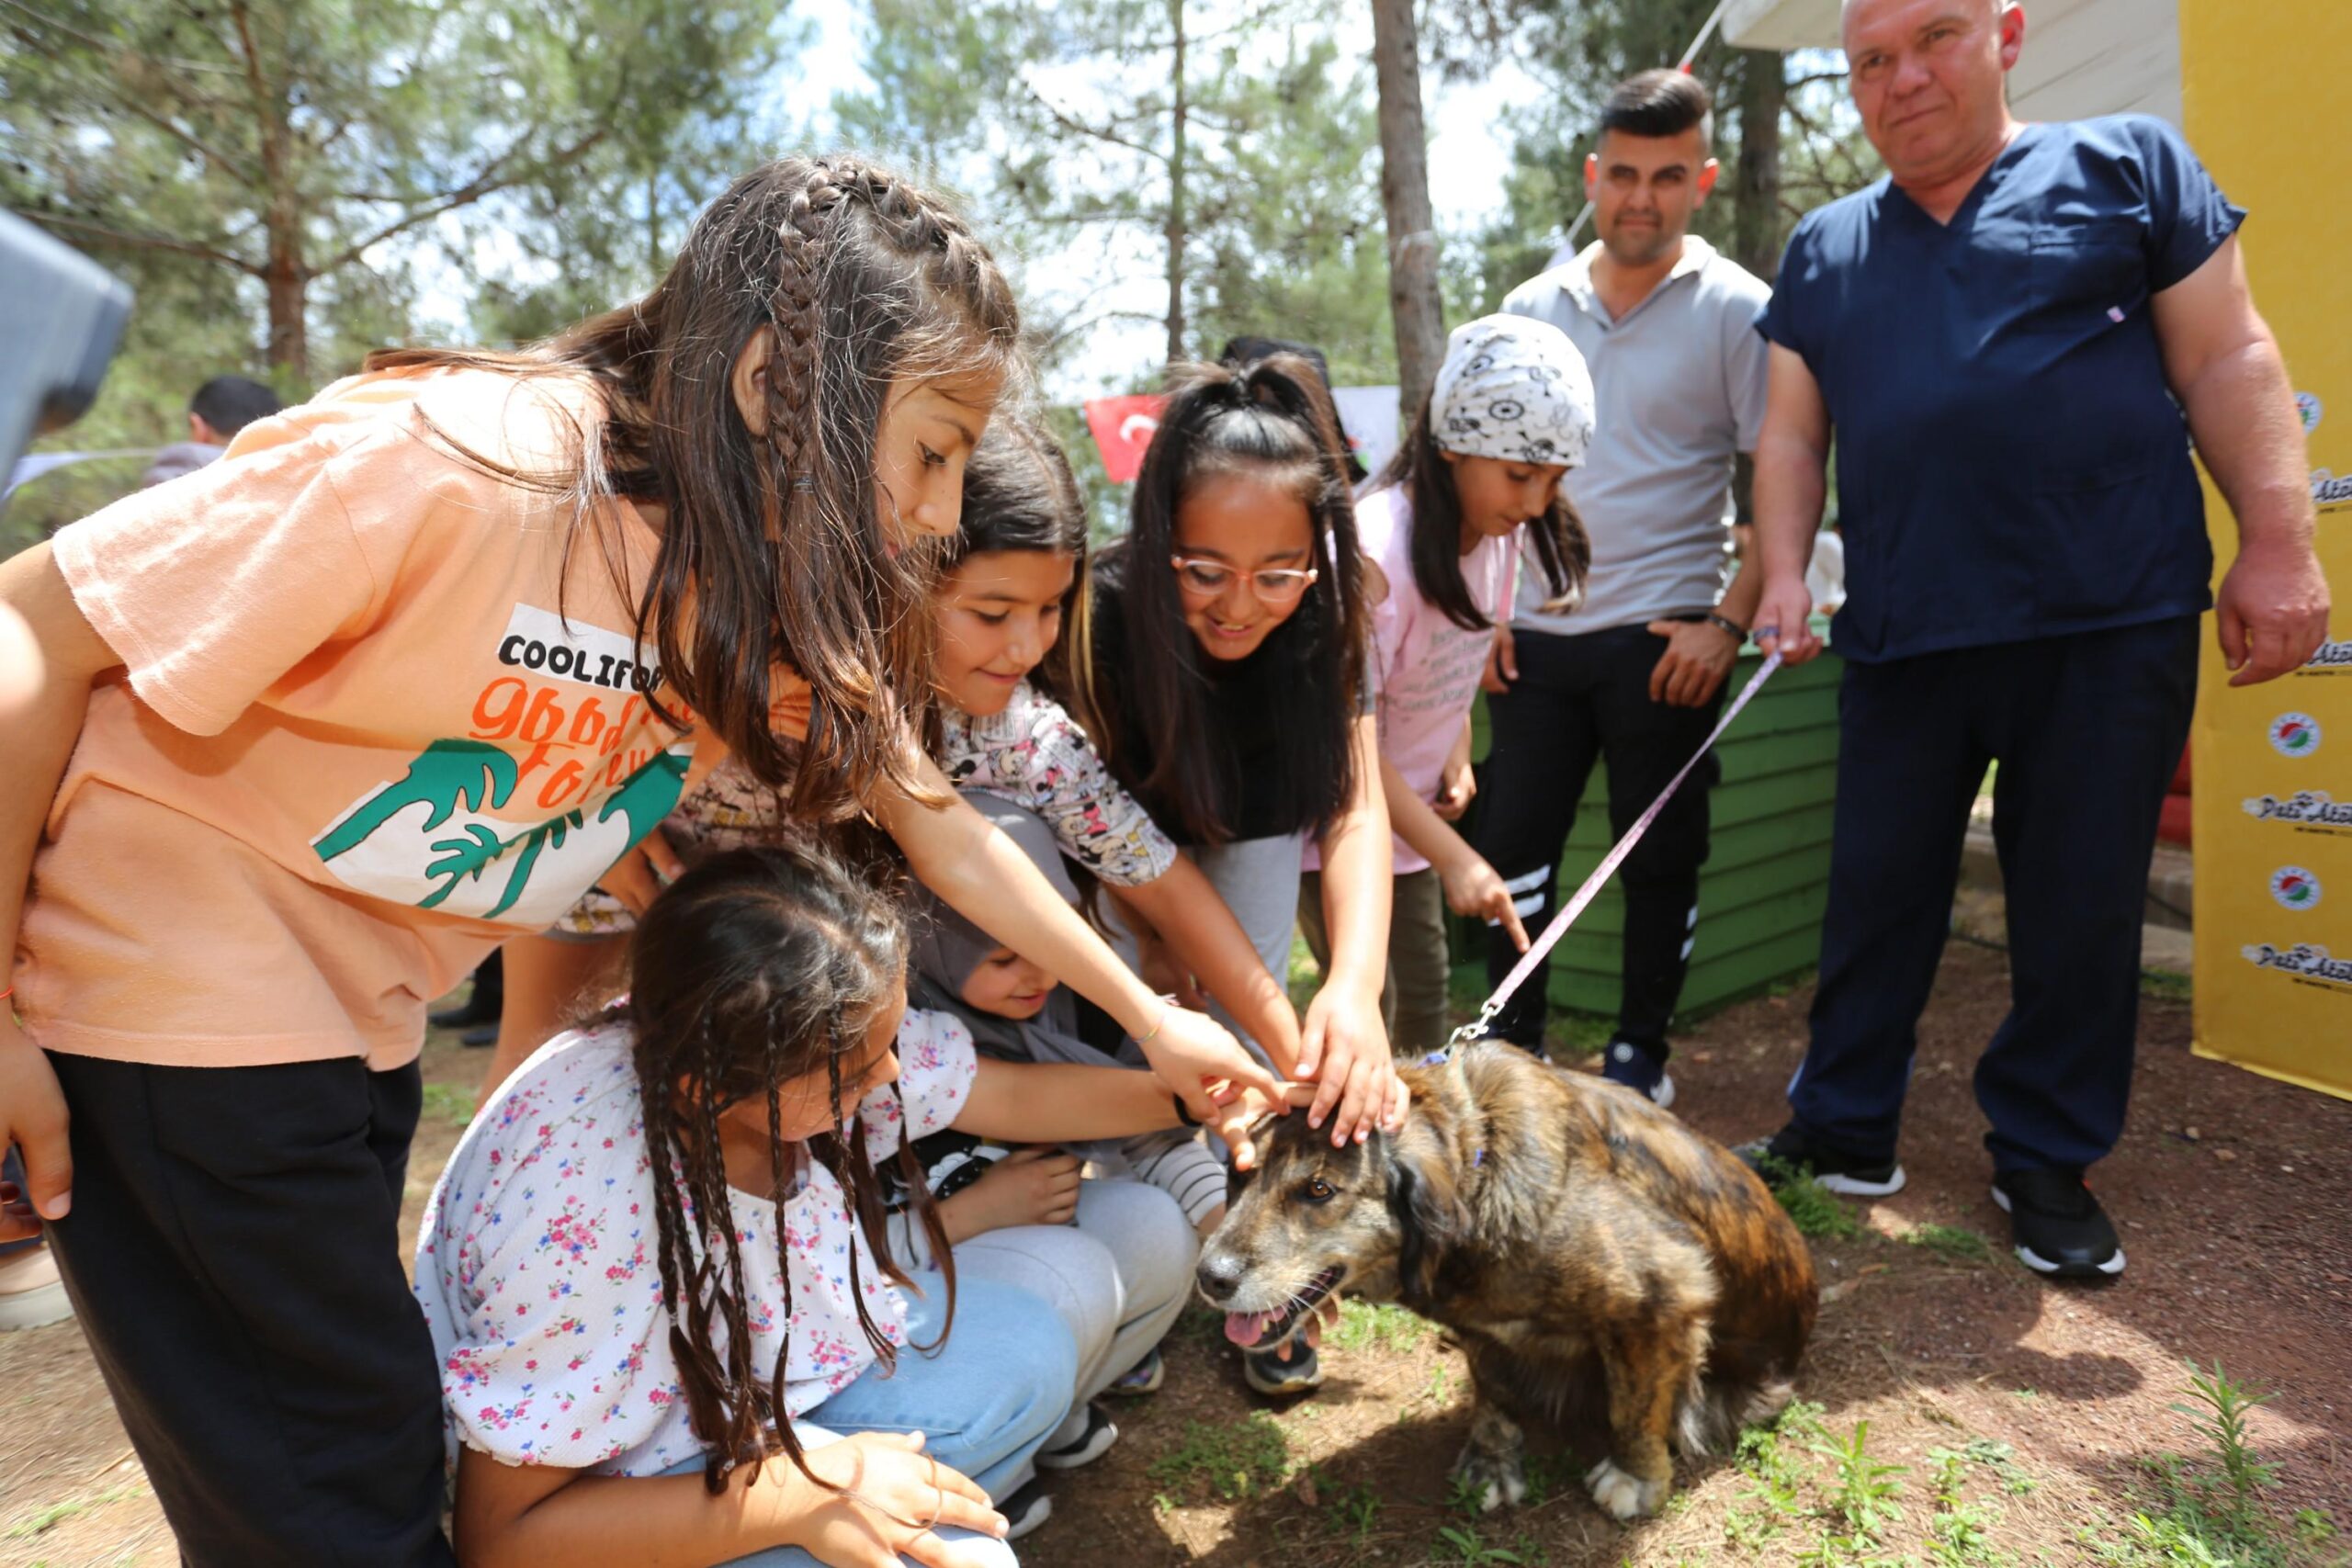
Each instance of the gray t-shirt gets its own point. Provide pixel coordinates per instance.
(1679, 384)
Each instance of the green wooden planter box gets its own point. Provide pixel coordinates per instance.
(1766, 882)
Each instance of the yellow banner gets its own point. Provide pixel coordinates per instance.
(2273, 764)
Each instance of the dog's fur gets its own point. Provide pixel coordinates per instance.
(1593, 1256)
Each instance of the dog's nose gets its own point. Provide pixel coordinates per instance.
(1220, 1274)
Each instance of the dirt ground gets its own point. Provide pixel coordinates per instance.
(2027, 1416)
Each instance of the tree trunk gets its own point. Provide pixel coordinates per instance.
(288, 292)
(1413, 303)
(1756, 183)
(1177, 218)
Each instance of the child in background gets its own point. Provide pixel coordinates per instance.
(1511, 411)
(659, 1258)
(1226, 686)
(1113, 1254)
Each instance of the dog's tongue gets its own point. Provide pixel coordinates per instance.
(1247, 1327)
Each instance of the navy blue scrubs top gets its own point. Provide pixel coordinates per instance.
(2010, 461)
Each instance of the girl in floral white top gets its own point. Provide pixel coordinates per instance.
(656, 1259)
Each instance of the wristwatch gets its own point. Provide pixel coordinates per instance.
(1738, 632)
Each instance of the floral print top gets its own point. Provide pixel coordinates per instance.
(538, 1263)
(1033, 754)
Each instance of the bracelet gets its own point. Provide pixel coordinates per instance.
(1167, 1005)
(1738, 632)
(1183, 1115)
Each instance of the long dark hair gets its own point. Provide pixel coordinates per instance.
(1020, 494)
(1271, 420)
(1563, 548)
(769, 549)
(757, 968)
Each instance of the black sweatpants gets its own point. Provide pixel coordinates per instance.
(2088, 729)
(1578, 699)
(233, 1255)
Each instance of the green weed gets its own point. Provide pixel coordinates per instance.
(1363, 1326)
(450, 1103)
(46, 1520)
(1354, 1513)
(1461, 1543)
(1816, 1209)
(1862, 1492)
(2167, 985)
(1954, 1243)
(1247, 1458)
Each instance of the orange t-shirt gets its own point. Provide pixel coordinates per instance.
(371, 728)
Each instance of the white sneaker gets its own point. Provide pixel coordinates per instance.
(31, 1292)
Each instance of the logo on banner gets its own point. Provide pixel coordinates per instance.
(2313, 810)
(2294, 734)
(2331, 659)
(2329, 491)
(2308, 965)
(2308, 405)
(2294, 887)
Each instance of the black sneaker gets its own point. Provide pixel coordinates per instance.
(1790, 1150)
(1026, 1508)
(1089, 1445)
(2058, 1226)
(1638, 1069)
(1266, 1372)
(480, 1037)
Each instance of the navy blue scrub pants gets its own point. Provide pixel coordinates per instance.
(2088, 729)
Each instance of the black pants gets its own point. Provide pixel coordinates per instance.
(1578, 698)
(233, 1255)
(2087, 731)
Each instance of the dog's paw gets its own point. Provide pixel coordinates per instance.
(1493, 1480)
(1623, 1495)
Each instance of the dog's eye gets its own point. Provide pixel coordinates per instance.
(1319, 1191)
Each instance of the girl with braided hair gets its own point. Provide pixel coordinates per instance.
(657, 1272)
(398, 678)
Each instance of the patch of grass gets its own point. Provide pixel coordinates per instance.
(1953, 1244)
(1246, 1459)
(450, 1103)
(2211, 1514)
(1862, 1489)
(1571, 1035)
(1461, 1543)
(1354, 1513)
(1303, 977)
(2167, 985)
(1363, 1326)
(41, 1521)
(1465, 1496)
(1815, 1209)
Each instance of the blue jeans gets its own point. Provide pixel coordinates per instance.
(984, 1401)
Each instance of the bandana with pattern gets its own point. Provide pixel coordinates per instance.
(1512, 388)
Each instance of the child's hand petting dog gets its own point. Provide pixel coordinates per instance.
(1235, 1117)
(1027, 1187)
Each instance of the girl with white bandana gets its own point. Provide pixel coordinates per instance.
(1511, 412)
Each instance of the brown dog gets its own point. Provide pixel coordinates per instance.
(1593, 1256)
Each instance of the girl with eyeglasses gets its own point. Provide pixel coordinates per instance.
(1226, 691)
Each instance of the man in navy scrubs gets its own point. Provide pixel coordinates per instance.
(2013, 339)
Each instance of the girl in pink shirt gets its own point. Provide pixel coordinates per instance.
(1511, 411)
(398, 678)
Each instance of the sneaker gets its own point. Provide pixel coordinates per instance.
(1790, 1149)
(1638, 1070)
(482, 1035)
(31, 1292)
(1144, 1377)
(1266, 1372)
(1093, 1440)
(2058, 1226)
(1026, 1508)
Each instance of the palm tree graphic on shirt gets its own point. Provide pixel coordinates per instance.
(482, 778)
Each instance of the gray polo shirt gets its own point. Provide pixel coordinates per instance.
(1680, 386)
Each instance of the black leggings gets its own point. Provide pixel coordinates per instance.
(1578, 699)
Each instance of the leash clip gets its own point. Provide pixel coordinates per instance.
(1472, 1031)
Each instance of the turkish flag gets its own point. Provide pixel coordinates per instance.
(1121, 428)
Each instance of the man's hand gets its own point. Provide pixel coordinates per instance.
(32, 1117)
(1698, 655)
(1474, 887)
(1502, 664)
(2271, 613)
(1783, 621)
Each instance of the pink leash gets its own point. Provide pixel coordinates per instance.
(1476, 1027)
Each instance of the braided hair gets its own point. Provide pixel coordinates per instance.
(758, 967)
(770, 552)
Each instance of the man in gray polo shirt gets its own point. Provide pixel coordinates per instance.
(1634, 675)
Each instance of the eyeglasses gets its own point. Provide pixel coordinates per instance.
(1276, 585)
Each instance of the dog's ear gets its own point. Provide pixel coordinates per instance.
(1423, 1197)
